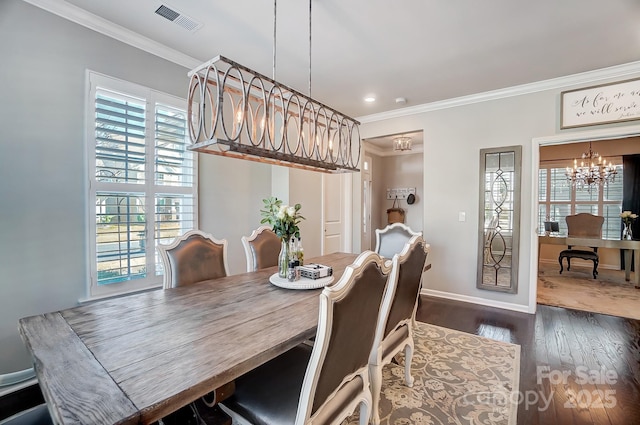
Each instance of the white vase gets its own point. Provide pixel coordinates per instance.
(627, 235)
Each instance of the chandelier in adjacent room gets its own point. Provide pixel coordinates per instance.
(402, 143)
(592, 171)
(237, 112)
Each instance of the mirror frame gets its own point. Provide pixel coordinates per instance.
(515, 242)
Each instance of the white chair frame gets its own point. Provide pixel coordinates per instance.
(246, 243)
(329, 296)
(391, 228)
(377, 361)
(168, 270)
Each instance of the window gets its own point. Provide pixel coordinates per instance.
(557, 199)
(142, 183)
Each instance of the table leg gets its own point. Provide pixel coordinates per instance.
(627, 265)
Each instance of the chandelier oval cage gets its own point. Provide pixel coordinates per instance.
(237, 112)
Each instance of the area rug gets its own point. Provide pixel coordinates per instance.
(459, 379)
(577, 290)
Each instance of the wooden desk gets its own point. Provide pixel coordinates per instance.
(137, 358)
(627, 246)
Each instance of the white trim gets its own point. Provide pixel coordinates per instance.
(96, 23)
(476, 300)
(598, 75)
(559, 139)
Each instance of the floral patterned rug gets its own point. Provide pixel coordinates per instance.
(459, 379)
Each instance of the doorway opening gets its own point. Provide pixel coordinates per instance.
(394, 168)
(577, 289)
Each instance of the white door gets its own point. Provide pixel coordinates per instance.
(332, 213)
(366, 203)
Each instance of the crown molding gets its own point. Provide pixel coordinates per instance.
(108, 28)
(596, 76)
(369, 148)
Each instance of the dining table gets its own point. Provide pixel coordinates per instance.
(137, 358)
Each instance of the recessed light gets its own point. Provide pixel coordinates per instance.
(370, 99)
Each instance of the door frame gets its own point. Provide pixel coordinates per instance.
(559, 139)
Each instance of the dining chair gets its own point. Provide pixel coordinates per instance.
(395, 330)
(391, 239)
(325, 383)
(583, 225)
(193, 257)
(37, 415)
(261, 248)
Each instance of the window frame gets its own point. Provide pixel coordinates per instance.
(149, 190)
(572, 202)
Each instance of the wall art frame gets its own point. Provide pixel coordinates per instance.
(601, 104)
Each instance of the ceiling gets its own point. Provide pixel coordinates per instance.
(422, 50)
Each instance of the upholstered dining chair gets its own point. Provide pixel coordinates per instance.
(583, 225)
(193, 257)
(391, 239)
(396, 332)
(322, 384)
(37, 415)
(261, 248)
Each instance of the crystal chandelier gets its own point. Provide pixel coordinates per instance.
(402, 143)
(592, 171)
(237, 112)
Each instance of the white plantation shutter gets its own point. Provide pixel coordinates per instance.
(142, 182)
(558, 199)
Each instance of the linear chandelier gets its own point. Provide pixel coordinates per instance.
(237, 112)
(592, 171)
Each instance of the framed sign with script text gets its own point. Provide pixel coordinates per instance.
(603, 104)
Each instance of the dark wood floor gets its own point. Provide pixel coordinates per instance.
(592, 350)
(598, 354)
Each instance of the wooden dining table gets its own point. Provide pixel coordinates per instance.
(137, 358)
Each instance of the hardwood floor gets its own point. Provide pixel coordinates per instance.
(598, 354)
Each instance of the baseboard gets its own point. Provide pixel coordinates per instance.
(477, 300)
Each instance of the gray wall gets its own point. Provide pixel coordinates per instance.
(43, 173)
(400, 171)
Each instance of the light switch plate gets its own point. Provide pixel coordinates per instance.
(462, 216)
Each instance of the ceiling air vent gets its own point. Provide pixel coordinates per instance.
(178, 18)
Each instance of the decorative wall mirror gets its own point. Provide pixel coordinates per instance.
(499, 219)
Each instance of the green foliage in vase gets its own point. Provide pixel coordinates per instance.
(283, 219)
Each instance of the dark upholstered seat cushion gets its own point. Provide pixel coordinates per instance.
(275, 383)
(579, 253)
(38, 415)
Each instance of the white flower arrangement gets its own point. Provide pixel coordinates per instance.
(628, 217)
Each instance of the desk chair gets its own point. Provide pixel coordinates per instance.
(396, 332)
(193, 257)
(261, 248)
(582, 225)
(391, 239)
(322, 384)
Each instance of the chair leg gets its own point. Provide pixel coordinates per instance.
(568, 263)
(408, 355)
(561, 267)
(375, 377)
(595, 268)
(365, 411)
